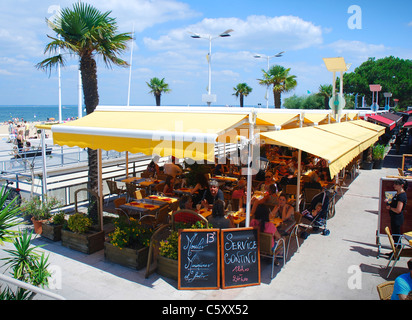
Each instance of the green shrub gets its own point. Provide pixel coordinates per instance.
(79, 223)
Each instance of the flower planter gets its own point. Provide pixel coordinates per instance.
(167, 267)
(52, 231)
(367, 165)
(131, 258)
(38, 225)
(377, 164)
(89, 242)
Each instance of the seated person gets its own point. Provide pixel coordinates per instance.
(290, 178)
(318, 209)
(168, 189)
(270, 198)
(311, 214)
(27, 146)
(153, 167)
(212, 194)
(186, 202)
(201, 186)
(217, 219)
(313, 182)
(403, 285)
(172, 169)
(283, 210)
(261, 221)
(264, 186)
(281, 170)
(240, 193)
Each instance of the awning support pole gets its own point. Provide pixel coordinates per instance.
(44, 164)
(252, 121)
(100, 186)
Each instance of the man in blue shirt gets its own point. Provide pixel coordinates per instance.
(403, 285)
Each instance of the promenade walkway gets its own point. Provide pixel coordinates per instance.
(341, 266)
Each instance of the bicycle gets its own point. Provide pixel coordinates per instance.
(12, 193)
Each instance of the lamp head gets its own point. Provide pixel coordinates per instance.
(226, 33)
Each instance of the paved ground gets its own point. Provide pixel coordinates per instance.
(341, 266)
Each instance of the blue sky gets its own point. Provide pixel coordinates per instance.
(306, 30)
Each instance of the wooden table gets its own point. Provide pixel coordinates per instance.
(148, 184)
(172, 202)
(182, 191)
(133, 180)
(225, 179)
(143, 206)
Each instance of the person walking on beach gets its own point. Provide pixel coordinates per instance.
(26, 130)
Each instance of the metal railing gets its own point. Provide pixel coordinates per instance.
(69, 171)
(30, 287)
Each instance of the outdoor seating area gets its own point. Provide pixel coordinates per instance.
(298, 178)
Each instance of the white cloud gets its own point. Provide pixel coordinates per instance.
(357, 47)
(145, 13)
(254, 33)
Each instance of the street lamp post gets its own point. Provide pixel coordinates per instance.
(209, 98)
(261, 56)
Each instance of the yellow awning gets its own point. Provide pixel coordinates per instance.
(370, 125)
(316, 118)
(363, 135)
(278, 119)
(337, 143)
(181, 134)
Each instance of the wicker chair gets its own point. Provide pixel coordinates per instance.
(114, 189)
(130, 189)
(385, 290)
(117, 203)
(148, 220)
(187, 216)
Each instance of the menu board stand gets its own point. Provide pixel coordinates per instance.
(240, 257)
(198, 259)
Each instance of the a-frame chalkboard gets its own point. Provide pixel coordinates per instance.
(199, 263)
(240, 257)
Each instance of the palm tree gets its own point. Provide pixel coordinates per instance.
(86, 32)
(242, 90)
(281, 80)
(158, 87)
(326, 92)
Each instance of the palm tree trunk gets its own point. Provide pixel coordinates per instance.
(157, 100)
(327, 103)
(241, 100)
(91, 100)
(278, 100)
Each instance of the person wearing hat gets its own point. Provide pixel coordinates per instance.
(403, 285)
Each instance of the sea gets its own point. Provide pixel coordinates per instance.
(37, 112)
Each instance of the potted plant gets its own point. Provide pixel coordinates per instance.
(40, 211)
(128, 244)
(367, 162)
(378, 154)
(80, 235)
(52, 228)
(167, 260)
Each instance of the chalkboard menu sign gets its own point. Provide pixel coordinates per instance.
(199, 264)
(240, 257)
